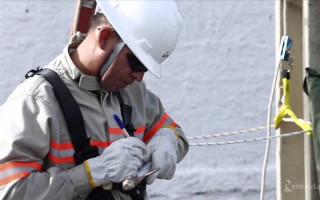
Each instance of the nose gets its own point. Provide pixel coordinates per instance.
(138, 76)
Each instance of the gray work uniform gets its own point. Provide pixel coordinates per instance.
(36, 153)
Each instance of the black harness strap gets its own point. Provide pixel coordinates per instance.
(126, 113)
(72, 115)
(77, 131)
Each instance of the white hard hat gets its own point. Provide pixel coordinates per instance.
(149, 28)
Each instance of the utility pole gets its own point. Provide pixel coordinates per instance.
(296, 172)
(290, 150)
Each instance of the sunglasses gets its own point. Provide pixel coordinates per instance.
(135, 63)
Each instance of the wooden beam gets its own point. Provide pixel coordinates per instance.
(290, 151)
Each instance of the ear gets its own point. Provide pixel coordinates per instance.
(104, 35)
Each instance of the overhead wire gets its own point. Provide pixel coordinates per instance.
(231, 133)
(242, 131)
(266, 155)
(250, 139)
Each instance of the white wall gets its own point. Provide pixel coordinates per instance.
(217, 80)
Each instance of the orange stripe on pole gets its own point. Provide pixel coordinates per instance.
(13, 164)
(156, 127)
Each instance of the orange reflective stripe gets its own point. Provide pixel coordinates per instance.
(61, 146)
(116, 130)
(140, 129)
(11, 168)
(112, 130)
(13, 177)
(60, 160)
(54, 157)
(100, 143)
(12, 164)
(68, 145)
(174, 124)
(156, 127)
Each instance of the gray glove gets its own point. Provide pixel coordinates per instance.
(121, 159)
(163, 148)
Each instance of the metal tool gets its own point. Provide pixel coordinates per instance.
(132, 181)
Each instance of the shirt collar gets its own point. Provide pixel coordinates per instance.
(86, 82)
(68, 64)
(90, 83)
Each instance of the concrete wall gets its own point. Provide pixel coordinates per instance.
(218, 79)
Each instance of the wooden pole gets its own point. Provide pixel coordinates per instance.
(290, 150)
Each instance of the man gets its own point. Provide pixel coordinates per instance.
(36, 159)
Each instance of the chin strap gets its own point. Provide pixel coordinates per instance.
(111, 57)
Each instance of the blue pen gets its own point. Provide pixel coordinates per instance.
(132, 181)
(120, 124)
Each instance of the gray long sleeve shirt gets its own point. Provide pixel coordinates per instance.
(36, 153)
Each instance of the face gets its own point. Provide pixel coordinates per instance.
(123, 71)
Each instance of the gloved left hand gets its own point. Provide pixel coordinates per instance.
(163, 148)
(121, 159)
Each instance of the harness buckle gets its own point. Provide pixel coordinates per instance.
(81, 156)
(32, 72)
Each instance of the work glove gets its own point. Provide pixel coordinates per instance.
(163, 148)
(121, 159)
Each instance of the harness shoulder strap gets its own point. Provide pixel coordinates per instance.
(77, 131)
(72, 115)
(126, 113)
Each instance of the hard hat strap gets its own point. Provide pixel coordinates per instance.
(110, 59)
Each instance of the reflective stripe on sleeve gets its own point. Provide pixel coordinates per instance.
(61, 153)
(116, 133)
(164, 120)
(13, 170)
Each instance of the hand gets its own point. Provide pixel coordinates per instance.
(163, 148)
(121, 159)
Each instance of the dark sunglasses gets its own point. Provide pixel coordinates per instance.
(135, 63)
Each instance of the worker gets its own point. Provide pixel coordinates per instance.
(126, 39)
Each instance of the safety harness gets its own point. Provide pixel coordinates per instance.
(286, 108)
(77, 131)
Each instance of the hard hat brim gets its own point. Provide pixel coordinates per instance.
(108, 9)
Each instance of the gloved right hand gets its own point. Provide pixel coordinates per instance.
(121, 159)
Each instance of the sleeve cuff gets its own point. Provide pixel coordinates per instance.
(79, 177)
(87, 167)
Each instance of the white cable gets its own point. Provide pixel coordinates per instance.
(243, 131)
(265, 161)
(284, 17)
(249, 140)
